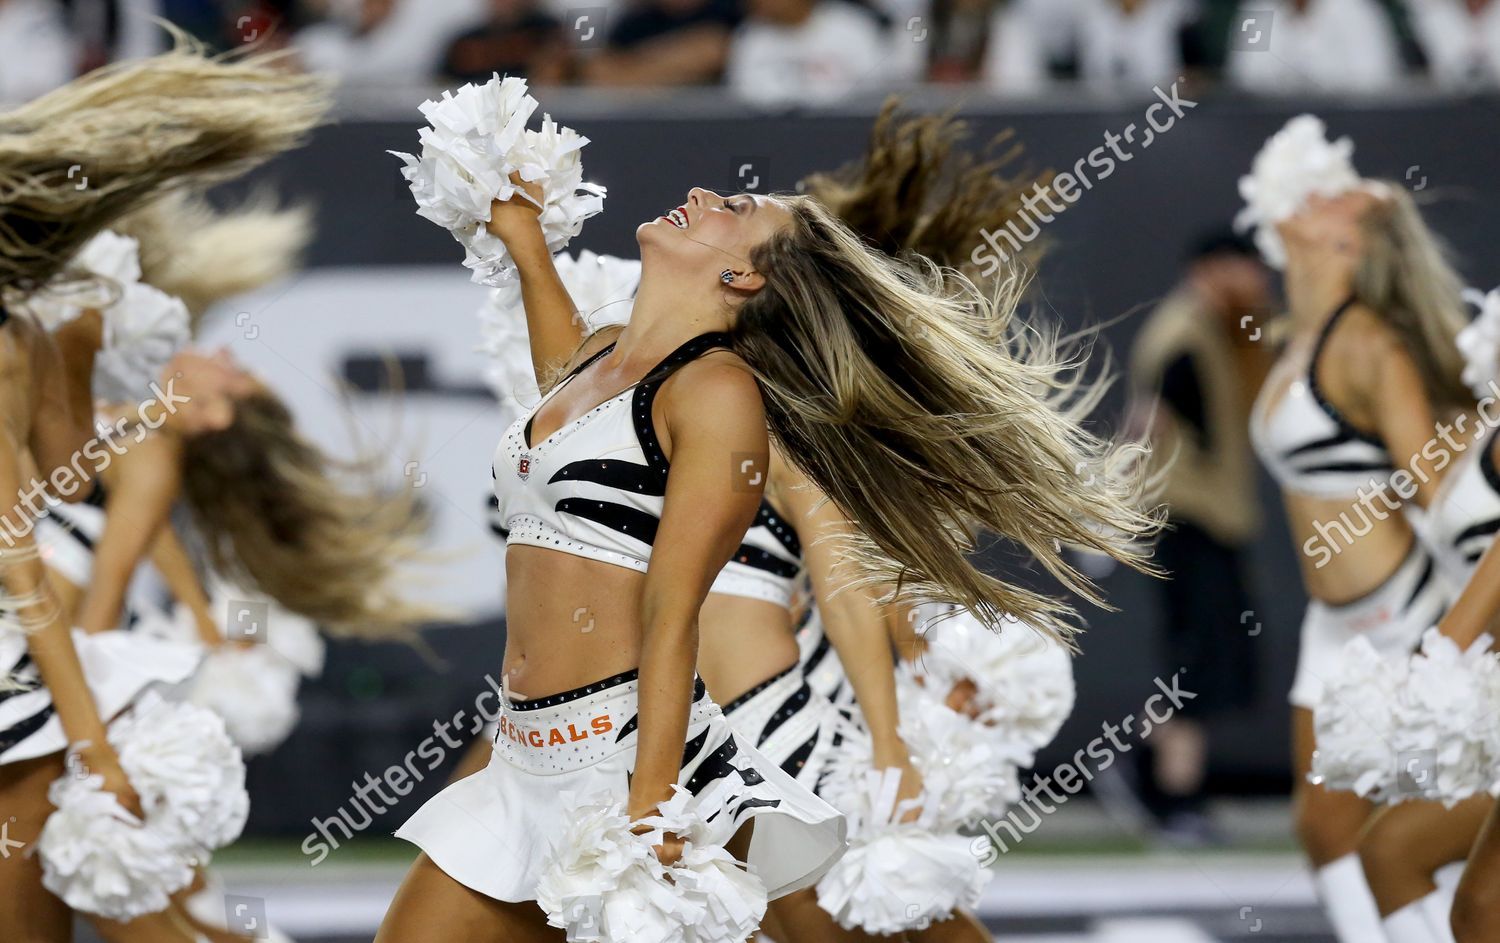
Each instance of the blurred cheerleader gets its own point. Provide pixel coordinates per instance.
(1343, 423)
(72, 162)
(901, 391)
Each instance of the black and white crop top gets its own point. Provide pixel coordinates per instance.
(767, 563)
(1464, 516)
(1304, 441)
(594, 488)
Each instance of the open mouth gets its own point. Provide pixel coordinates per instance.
(677, 217)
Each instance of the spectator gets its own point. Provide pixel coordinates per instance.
(1130, 45)
(793, 51)
(1284, 46)
(36, 53)
(384, 42)
(518, 38)
(991, 41)
(666, 42)
(1461, 39)
(1194, 371)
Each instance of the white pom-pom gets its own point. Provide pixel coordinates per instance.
(254, 690)
(1479, 342)
(1441, 718)
(141, 333)
(1023, 681)
(100, 859)
(601, 287)
(293, 637)
(1355, 723)
(477, 138)
(897, 876)
(971, 767)
(185, 768)
(110, 259)
(604, 883)
(1295, 163)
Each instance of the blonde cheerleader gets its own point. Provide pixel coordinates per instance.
(1341, 423)
(630, 486)
(70, 163)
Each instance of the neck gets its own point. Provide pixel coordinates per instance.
(665, 316)
(1316, 283)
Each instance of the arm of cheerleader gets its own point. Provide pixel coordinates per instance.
(1404, 417)
(854, 621)
(716, 433)
(901, 624)
(144, 481)
(552, 323)
(171, 560)
(1477, 608)
(62, 420)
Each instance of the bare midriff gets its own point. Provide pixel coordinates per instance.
(1355, 550)
(569, 621)
(742, 642)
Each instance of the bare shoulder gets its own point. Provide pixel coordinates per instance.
(718, 386)
(1364, 334)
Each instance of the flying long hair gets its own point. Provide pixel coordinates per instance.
(202, 255)
(918, 190)
(1406, 277)
(320, 537)
(928, 413)
(76, 159)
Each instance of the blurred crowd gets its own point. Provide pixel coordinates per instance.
(786, 52)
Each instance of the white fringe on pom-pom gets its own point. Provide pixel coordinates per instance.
(1295, 163)
(602, 288)
(292, 637)
(605, 884)
(185, 768)
(1441, 718)
(143, 327)
(1479, 342)
(254, 690)
(1355, 723)
(477, 137)
(897, 876)
(191, 781)
(100, 859)
(1024, 681)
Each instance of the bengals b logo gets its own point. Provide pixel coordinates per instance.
(523, 467)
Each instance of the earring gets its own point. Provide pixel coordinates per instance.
(727, 277)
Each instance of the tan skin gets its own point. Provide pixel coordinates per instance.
(705, 414)
(27, 911)
(1367, 374)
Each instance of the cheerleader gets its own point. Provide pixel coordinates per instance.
(1341, 423)
(631, 484)
(70, 162)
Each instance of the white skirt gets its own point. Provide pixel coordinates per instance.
(790, 724)
(495, 831)
(1392, 616)
(118, 665)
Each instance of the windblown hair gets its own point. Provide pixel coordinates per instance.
(75, 160)
(192, 251)
(916, 190)
(274, 516)
(918, 404)
(1406, 277)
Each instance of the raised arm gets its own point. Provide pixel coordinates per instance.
(1397, 401)
(852, 618)
(62, 418)
(714, 421)
(552, 323)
